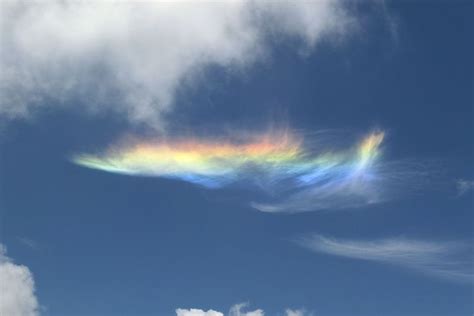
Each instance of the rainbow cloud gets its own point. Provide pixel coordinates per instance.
(279, 163)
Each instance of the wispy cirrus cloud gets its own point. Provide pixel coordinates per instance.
(444, 259)
(130, 57)
(384, 180)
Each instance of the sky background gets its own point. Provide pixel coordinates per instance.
(99, 243)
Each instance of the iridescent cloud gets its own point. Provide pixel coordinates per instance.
(305, 177)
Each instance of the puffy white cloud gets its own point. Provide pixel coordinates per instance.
(197, 312)
(235, 310)
(17, 288)
(131, 56)
(445, 259)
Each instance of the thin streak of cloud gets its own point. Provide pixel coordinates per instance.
(448, 260)
(30, 243)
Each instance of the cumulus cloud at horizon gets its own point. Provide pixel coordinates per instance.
(448, 260)
(17, 288)
(235, 310)
(131, 57)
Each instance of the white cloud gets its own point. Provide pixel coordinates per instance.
(197, 312)
(17, 289)
(449, 260)
(131, 56)
(236, 310)
(295, 312)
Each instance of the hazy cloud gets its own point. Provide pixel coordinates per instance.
(30, 243)
(448, 260)
(237, 310)
(295, 312)
(17, 288)
(464, 186)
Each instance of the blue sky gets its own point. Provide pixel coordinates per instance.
(103, 243)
